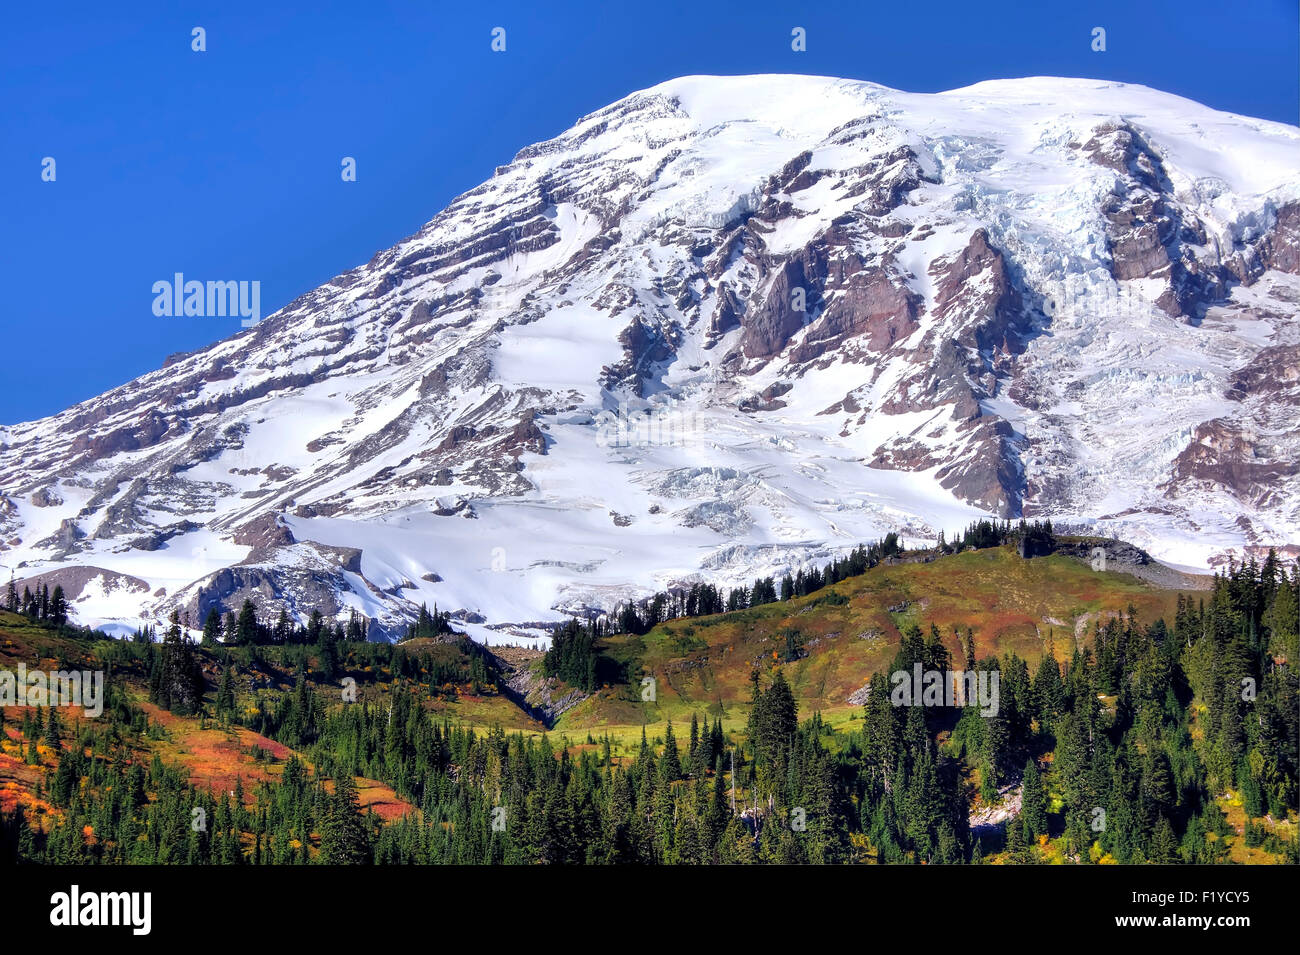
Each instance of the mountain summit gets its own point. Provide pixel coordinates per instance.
(724, 326)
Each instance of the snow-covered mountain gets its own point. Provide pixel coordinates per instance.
(724, 326)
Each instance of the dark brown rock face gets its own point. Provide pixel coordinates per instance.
(1278, 248)
(726, 315)
(1247, 460)
(865, 302)
(977, 285)
(1274, 373)
(989, 473)
(644, 344)
(958, 364)
(263, 534)
(145, 433)
(1140, 234)
(1150, 234)
(769, 326)
(830, 284)
(884, 184)
(46, 497)
(1224, 454)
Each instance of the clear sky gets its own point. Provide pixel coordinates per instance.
(225, 164)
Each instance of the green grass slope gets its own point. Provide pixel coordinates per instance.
(851, 629)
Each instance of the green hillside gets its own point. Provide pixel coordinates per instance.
(849, 630)
(1170, 716)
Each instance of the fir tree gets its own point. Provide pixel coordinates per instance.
(226, 693)
(344, 840)
(212, 627)
(58, 607)
(670, 765)
(1033, 802)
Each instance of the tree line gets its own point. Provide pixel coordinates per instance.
(1120, 751)
(44, 606)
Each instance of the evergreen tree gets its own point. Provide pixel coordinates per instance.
(176, 680)
(1033, 802)
(1047, 690)
(246, 627)
(58, 607)
(344, 840)
(670, 765)
(212, 627)
(226, 693)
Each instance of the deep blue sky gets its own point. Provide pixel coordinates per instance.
(225, 164)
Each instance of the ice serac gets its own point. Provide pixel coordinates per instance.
(722, 327)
